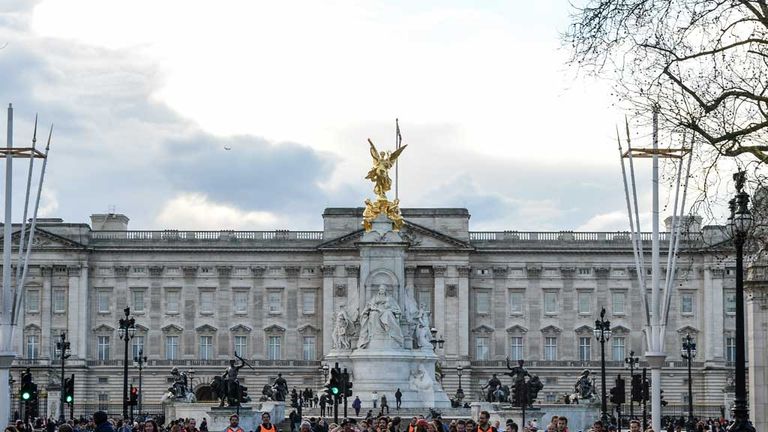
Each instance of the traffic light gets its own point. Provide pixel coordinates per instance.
(646, 390)
(617, 393)
(637, 388)
(69, 389)
(333, 388)
(346, 384)
(134, 396)
(28, 390)
(663, 402)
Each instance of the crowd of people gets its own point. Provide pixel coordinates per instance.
(100, 422)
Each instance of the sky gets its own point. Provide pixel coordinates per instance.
(255, 115)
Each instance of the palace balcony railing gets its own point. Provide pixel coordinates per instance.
(223, 235)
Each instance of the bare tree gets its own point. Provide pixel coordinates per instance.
(703, 63)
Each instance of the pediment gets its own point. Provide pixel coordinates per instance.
(141, 328)
(172, 328)
(687, 329)
(240, 328)
(517, 329)
(418, 238)
(103, 328)
(44, 239)
(482, 329)
(32, 328)
(620, 329)
(206, 328)
(583, 329)
(274, 328)
(551, 329)
(308, 329)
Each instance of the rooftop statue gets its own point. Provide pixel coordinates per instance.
(379, 175)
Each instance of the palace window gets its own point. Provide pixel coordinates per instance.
(206, 347)
(550, 302)
(206, 302)
(59, 301)
(138, 345)
(308, 344)
(241, 301)
(617, 302)
(482, 348)
(103, 300)
(483, 305)
(103, 401)
(172, 301)
(138, 300)
(32, 301)
(171, 347)
(33, 346)
(275, 302)
(686, 303)
(550, 348)
(730, 302)
(730, 349)
(273, 348)
(585, 348)
(516, 348)
(516, 299)
(102, 348)
(585, 302)
(308, 302)
(241, 345)
(618, 348)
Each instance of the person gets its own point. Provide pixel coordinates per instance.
(203, 426)
(322, 405)
(562, 424)
(295, 420)
(598, 426)
(374, 398)
(266, 424)
(191, 426)
(461, 426)
(356, 405)
(234, 424)
(315, 400)
(384, 403)
(398, 399)
(305, 427)
(10, 429)
(634, 426)
(102, 423)
(65, 427)
(151, 426)
(483, 422)
(412, 424)
(511, 426)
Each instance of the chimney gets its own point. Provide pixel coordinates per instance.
(109, 222)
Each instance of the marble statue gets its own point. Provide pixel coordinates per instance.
(342, 330)
(420, 381)
(380, 316)
(423, 335)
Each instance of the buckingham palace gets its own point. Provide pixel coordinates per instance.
(271, 296)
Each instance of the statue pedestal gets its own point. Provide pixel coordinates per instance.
(218, 417)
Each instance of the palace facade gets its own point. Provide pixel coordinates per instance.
(199, 296)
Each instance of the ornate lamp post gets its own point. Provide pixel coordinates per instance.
(603, 333)
(126, 330)
(688, 351)
(436, 343)
(631, 362)
(324, 370)
(459, 391)
(140, 360)
(739, 224)
(62, 350)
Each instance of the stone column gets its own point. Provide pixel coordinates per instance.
(293, 342)
(353, 287)
(713, 302)
(328, 272)
(439, 301)
(74, 311)
(499, 310)
(45, 316)
(463, 314)
(756, 292)
(257, 335)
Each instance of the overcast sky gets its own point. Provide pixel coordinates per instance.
(254, 115)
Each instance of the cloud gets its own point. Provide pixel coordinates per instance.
(197, 212)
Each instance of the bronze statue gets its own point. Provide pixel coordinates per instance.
(227, 387)
(379, 174)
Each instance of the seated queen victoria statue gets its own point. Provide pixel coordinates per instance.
(380, 317)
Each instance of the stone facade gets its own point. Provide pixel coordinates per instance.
(199, 295)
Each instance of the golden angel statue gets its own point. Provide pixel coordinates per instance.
(379, 174)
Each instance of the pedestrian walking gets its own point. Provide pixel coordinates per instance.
(374, 398)
(384, 403)
(398, 399)
(356, 405)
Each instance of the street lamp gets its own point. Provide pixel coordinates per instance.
(436, 343)
(459, 391)
(324, 371)
(603, 333)
(140, 360)
(688, 351)
(739, 224)
(62, 350)
(126, 330)
(631, 362)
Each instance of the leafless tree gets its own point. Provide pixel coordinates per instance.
(704, 63)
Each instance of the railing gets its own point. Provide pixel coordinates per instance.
(224, 235)
(215, 362)
(617, 236)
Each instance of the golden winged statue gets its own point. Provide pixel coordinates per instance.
(379, 175)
